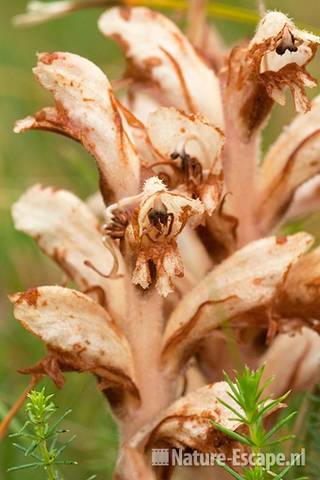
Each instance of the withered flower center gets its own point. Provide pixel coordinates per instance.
(190, 166)
(287, 42)
(160, 218)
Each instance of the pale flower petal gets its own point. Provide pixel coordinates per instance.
(190, 152)
(199, 263)
(292, 160)
(299, 296)
(186, 424)
(171, 131)
(80, 330)
(294, 362)
(275, 58)
(141, 103)
(159, 54)
(87, 111)
(238, 285)
(306, 199)
(150, 223)
(67, 231)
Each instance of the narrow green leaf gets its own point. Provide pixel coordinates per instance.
(281, 440)
(22, 467)
(233, 410)
(230, 433)
(280, 424)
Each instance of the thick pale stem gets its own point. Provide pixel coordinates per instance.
(144, 331)
(239, 168)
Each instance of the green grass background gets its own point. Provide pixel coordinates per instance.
(41, 157)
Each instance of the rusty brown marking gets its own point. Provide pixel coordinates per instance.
(281, 240)
(280, 182)
(30, 296)
(213, 437)
(117, 37)
(152, 62)
(181, 79)
(100, 294)
(184, 330)
(180, 40)
(119, 131)
(125, 13)
(49, 58)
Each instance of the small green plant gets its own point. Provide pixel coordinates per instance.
(40, 436)
(254, 407)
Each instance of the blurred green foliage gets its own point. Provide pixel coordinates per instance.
(40, 157)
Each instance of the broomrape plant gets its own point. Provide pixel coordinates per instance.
(185, 241)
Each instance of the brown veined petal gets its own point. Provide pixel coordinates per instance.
(292, 160)
(68, 232)
(294, 361)
(306, 199)
(86, 110)
(186, 423)
(260, 71)
(159, 54)
(299, 296)
(246, 280)
(171, 131)
(189, 151)
(80, 331)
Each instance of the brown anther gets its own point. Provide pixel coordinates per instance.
(190, 166)
(116, 229)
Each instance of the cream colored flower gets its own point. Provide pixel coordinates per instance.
(86, 110)
(158, 217)
(240, 284)
(188, 150)
(275, 58)
(80, 336)
(290, 162)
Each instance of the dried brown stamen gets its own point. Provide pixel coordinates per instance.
(190, 166)
(117, 227)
